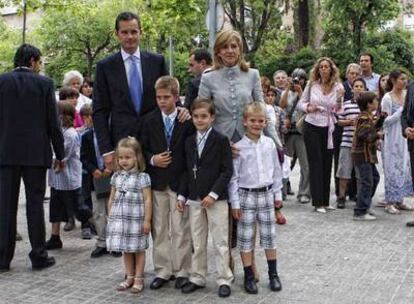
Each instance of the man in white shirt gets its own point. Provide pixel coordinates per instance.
(366, 61)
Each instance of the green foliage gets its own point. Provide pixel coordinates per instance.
(10, 39)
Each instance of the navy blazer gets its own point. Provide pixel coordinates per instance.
(214, 167)
(407, 116)
(28, 120)
(154, 142)
(114, 114)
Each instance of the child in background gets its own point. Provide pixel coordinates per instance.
(255, 190)
(364, 154)
(129, 219)
(66, 194)
(347, 119)
(95, 181)
(71, 95)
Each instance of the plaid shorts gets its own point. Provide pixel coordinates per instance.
(256, 206)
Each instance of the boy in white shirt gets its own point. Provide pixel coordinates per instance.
(255, 190)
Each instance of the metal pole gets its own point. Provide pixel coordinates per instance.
(171, 54)
(24, 20)
(212, 23)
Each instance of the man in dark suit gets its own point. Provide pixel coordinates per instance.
(28, 125)
(199, 61)
(124, 87)
(407, 123)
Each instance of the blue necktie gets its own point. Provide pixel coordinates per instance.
(135, 83)
(168, 130)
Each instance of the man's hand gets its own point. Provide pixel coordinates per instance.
(109, 161)
(409, 132)
(98, 174)
(208, 201)
(180, 206)
(183, 114)
(106, 172)
(58, 165)
(237, 214)
(147, 227)
(162, 160)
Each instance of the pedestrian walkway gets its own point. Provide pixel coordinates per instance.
(324, 258)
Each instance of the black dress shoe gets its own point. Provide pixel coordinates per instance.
(54, 243)
(274, 282)
(340, 203)
(190, 287)
(116, 254)
(180, 282)
(50, 261)
(410, 224)
(250, 285)
(98, 252)
(224, 291)
(4, 268)
(157, 283)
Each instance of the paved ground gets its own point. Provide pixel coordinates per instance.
(323, 259)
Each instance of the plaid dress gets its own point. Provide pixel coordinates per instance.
(125, 229)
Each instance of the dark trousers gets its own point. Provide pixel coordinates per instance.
(320, 163)
(34, 179)
(368, 179)
(412, 165)
(337, 139)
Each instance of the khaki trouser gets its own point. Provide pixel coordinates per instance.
(99, 216)
(171, 236)
(214, 219)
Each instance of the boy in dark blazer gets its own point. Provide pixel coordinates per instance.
(209, 170)
(163, 137)
(95, 174)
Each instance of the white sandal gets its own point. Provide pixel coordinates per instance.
(138, 285)
(126, 284)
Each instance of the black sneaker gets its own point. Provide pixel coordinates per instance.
(54, 243)
(98, 252)
(340, 203)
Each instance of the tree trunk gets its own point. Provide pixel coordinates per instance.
(302, 26)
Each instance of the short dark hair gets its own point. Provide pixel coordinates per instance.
(24, 54)
(202, 54)
(126, 16)
(203, 103)
(364, 99)
(67, 92)
(88, 80)
(360, 79)
(367, 54)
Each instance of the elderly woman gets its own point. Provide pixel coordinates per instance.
(74, 79)
(321, 99)
(353, 71)
(231, 85)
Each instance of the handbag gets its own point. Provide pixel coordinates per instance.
(301, 116)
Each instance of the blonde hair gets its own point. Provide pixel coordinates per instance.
(333, 77)
(223, 38)
(131, 143)
(254, 107)
(168, 83)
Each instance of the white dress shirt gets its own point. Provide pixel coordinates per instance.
(128, 62)
(256, 166)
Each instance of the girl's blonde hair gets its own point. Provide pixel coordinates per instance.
(333, 77)
(131, 143)
(223, 38)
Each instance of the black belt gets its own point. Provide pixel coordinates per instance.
(263, 189)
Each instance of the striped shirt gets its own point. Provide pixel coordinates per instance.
(70, 178)
(350, 111)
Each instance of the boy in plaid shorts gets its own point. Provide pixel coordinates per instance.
(254, 190)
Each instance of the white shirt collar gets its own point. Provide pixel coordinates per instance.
(126, 55)
(206, 133)
(252, 142)
(171, 116)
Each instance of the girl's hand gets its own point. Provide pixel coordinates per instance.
(311, 108)
(147, 227)
(237, 214)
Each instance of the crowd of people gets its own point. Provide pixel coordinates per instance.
(131, 160)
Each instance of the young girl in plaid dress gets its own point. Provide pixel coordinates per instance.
(129, 220)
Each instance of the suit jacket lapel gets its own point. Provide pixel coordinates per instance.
(145, 67)
(209, 144)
